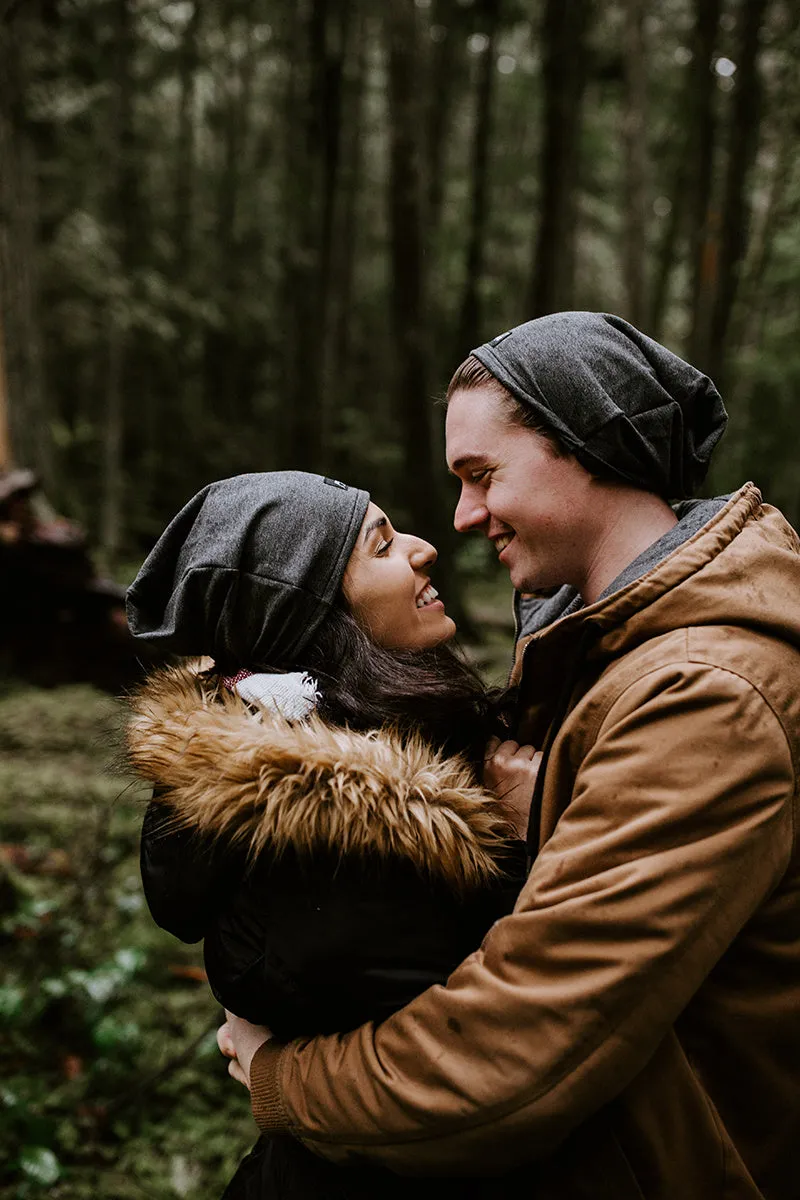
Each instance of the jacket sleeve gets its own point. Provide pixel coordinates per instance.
(679, 826)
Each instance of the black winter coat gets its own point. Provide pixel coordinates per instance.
(332, 875)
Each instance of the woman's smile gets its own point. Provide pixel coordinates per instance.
(427, 597)
(386, 570)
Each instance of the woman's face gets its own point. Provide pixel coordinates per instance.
(388, 589)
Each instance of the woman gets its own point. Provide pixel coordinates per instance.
(332, 873)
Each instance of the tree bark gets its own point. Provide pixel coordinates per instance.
(634, 126)
(742, 150)
(27, 408)
(311, 167)
(185, 148)
(704, 218)
(666, 254)
(469, 317)
(753, 311)
(424, 468)
(223, 342)
(6, 459)
(124, 216)
(333, 34)
(564, 61)
(341, 388)
(444, 59)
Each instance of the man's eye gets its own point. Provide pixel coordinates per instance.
(478, 476)
(384, 549)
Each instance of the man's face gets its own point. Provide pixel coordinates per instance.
(535, 505)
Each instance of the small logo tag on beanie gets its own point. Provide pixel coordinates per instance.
(501, 337)
(336, 483)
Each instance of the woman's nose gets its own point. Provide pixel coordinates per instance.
(423, 554)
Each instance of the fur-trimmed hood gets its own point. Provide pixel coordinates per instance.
(271, 785)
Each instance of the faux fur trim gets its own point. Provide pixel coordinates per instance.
(310, 786)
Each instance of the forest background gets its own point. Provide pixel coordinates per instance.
(253, 234)
(256, 234)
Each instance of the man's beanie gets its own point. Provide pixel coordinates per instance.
(623, 404)
(248, 569)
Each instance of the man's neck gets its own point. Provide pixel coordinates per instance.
(631, 521)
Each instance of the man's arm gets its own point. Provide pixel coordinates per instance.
(680, 824)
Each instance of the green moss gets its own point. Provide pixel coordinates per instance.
(112, 1084)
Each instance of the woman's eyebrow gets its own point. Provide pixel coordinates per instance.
(373, 525)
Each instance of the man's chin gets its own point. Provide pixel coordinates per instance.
(520, 581)
(531, 585)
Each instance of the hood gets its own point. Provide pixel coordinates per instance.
(741, 568)
(255, 780)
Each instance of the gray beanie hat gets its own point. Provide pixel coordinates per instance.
(248, 569)
(620, 402)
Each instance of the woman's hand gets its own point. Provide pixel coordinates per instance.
(238, 1040)
(510, 771)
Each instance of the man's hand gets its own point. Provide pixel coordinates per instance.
(238, 1040)
(510, 771)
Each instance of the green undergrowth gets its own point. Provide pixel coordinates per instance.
(111, 1085)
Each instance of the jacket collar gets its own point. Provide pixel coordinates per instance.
(548, 661)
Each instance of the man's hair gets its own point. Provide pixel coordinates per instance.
(473, 374)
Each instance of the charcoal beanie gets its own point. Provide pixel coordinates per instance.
(623, 404)
(248, 569)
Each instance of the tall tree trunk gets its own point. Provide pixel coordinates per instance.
(424, 467)
(223, 345)
(634, 126)
(444, 60)
(340, 387)
(182, 365)
(125, 217)
(333, 32)
(307, 159)
(564, 57)
(753, 311)
(704, 218)
(6, 460)
(27, 410)
(666, 254)
(185, 145)
(742, 150)
(469, 322)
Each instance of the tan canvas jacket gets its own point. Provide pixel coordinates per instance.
(633, 1028)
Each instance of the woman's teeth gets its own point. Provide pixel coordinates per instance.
(502, 542)
(427, 597)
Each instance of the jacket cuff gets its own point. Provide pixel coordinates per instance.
(265, 1088)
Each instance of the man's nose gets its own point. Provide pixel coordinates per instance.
(471, 511)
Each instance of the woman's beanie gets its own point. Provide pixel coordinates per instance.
(248, 569)
(622, 403)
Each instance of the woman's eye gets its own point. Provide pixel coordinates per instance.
(384, 549)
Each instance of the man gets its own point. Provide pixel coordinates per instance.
(633, 1028)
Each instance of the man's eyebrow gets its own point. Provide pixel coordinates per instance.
(373, 525)
(463, 460)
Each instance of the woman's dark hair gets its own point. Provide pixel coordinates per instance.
(473, 374)
(433, 692)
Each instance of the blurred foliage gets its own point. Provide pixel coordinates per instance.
(112, 1084)
(198, 277)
